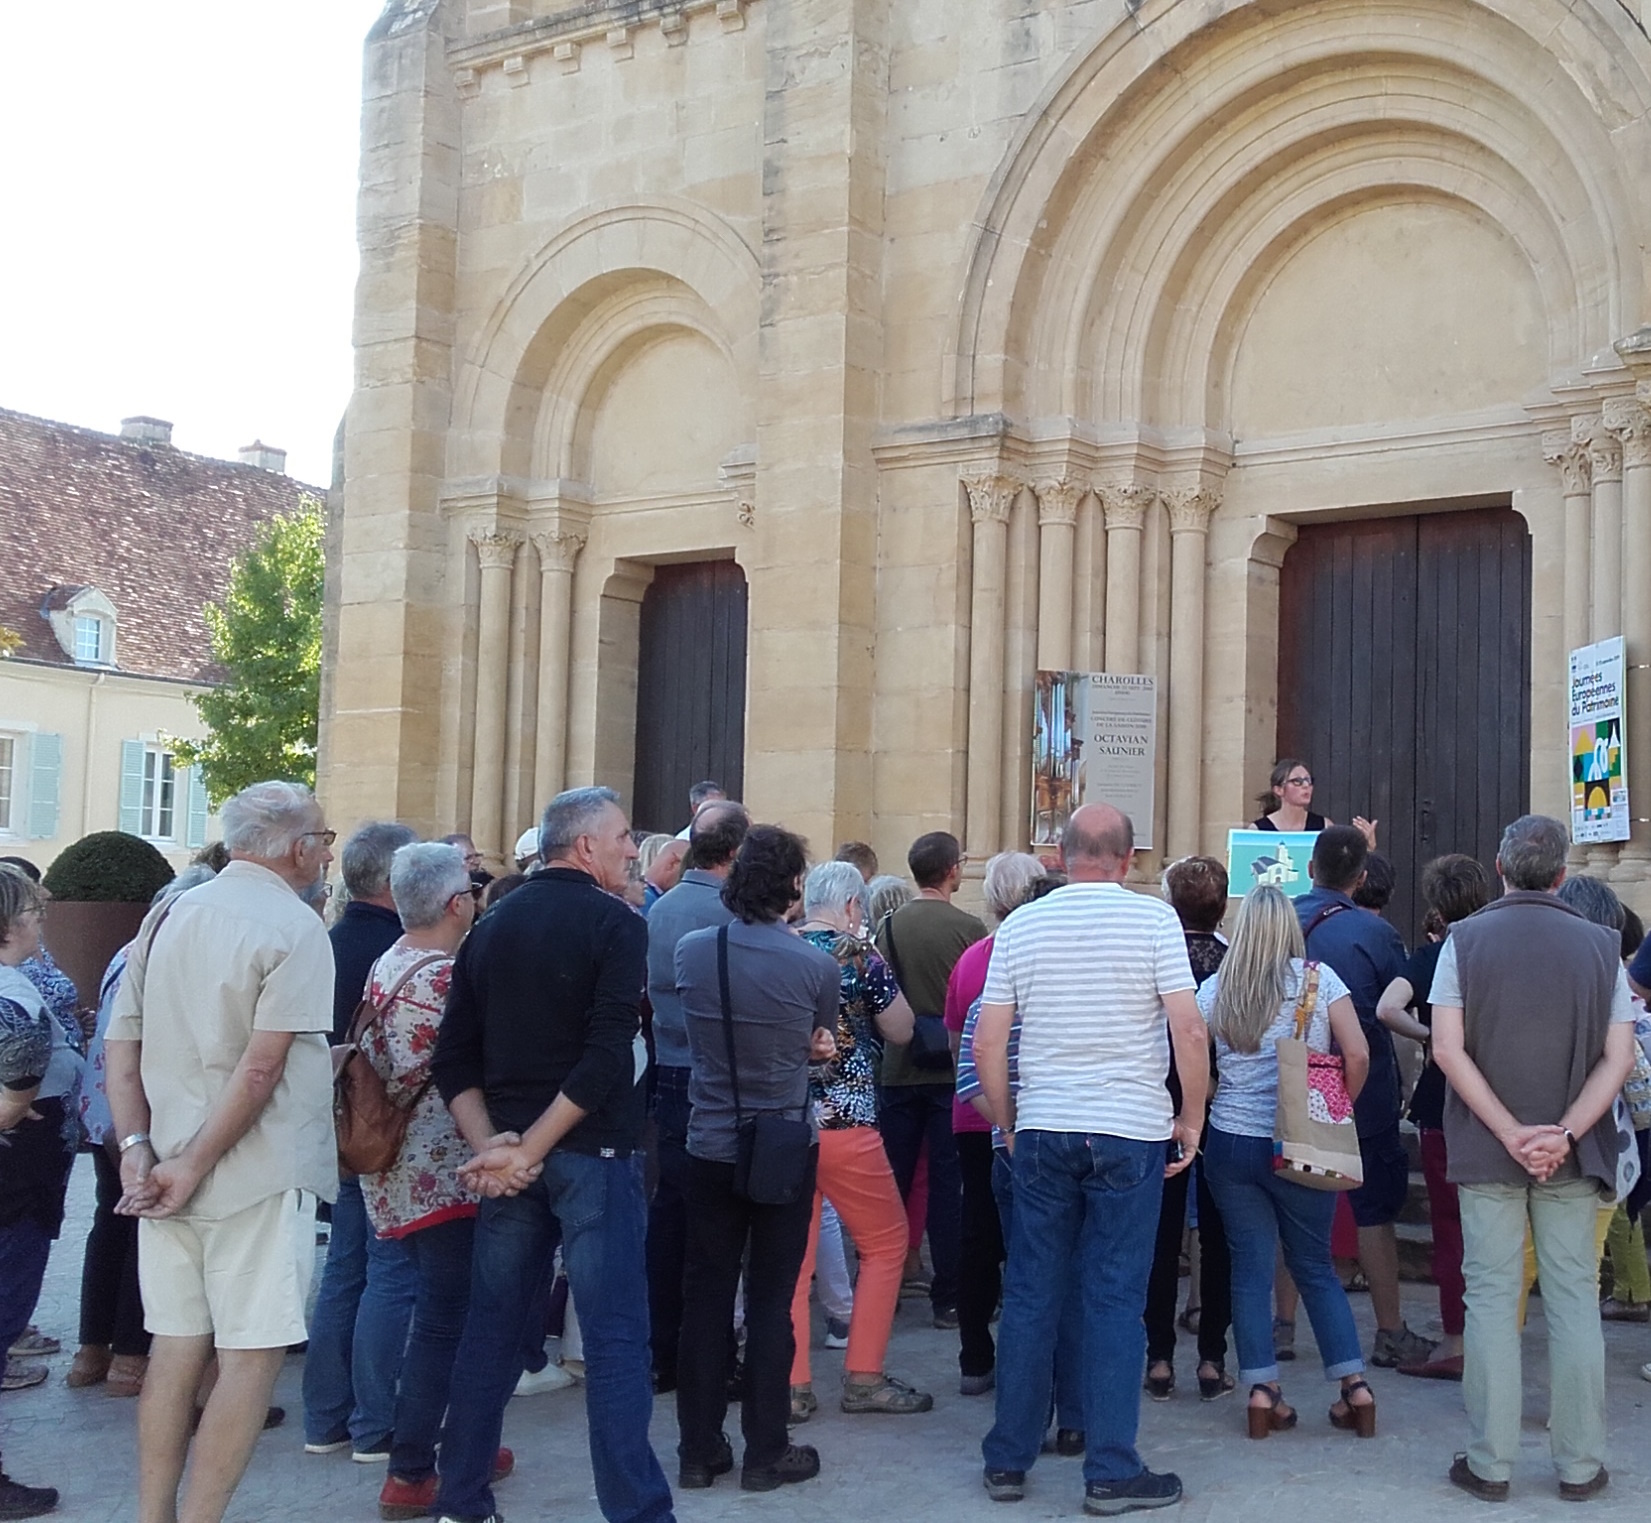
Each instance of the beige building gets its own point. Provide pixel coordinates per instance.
(822, 370)
(110, 548)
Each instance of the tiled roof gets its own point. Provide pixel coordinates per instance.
(152, 528)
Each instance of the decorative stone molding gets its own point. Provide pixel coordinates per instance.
(620, 43)
(496, 549)
(1125, 503)
(558, 548)
(1629, 420)
(991, 495)
(1605, 456)
(731, 13)
(738, 475)
(515, 69)
(567, 54)
(466, 83)
(1570, 458)
(674, 26)
(1058, 500)
(1190, 508)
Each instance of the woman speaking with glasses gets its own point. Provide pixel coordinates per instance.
(1287, 799)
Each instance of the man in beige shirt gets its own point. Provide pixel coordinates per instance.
(220, 1082)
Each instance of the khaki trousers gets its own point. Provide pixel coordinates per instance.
(1562, 1221)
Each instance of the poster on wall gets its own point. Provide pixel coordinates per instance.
(1599, 770)
(1277, 858)
(1095, 742)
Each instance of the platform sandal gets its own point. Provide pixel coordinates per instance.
(1352, 1418)
(1275, 1417)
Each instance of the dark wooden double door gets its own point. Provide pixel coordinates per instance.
(1404, 681)
(690, 689)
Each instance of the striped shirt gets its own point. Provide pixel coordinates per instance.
(1086, 968)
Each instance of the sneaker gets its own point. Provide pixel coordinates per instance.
(20, 1376)
(804, 1404)
(1610, 1309)
(836, 1333)
(692, 1477)
(977, 1385)
(1392, 1349)
(377, 1453)
(888, 1395)
(328, 1446)
(1645, 1372)
(20, 1501)
(1069, 1443)
(1284, 1340)
(1139, 1492)
(1005, 1485)
(945, 1318)
(1580, 1491)
(798, 1463)
(33, 1342)
(408, 1499)
(536, 1382)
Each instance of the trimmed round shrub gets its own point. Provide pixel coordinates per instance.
(108, 867)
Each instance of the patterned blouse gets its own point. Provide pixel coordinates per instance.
(844, 1090)
(421, 1188)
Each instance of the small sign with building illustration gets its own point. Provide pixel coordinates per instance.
(1599, 769)
(1274, 858)
(1095, 741)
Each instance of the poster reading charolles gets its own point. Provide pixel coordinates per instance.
(1599, 790)
(1095, 742)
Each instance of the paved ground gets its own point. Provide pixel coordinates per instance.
(911, 1469)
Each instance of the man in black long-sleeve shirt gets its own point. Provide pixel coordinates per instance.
(540, 1059)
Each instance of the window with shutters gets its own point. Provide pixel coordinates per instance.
(160, 789)
(8, 781)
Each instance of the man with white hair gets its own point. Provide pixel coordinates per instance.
(220, 1085)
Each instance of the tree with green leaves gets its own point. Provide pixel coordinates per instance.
(266, 634)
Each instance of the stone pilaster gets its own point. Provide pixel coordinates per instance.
(1125, 505)
(1190, 509)
(1605, 476)
(1629, 422)
(558, 549)
(1570, 458)
(496, 551)
(1020, 660)
(1088, 584)
(991, 496)
(1057, 558)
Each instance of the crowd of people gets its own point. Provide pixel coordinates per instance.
(647, 1093)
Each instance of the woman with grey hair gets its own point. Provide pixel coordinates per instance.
(1011, 877)
(853, 1171)
(114, 1344)
(884, 895)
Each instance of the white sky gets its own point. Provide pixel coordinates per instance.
(177, 193)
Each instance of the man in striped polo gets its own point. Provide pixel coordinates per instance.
(1100, 981)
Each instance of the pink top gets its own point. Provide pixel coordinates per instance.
(964, 988)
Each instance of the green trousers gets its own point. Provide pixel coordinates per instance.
(1630, 1273)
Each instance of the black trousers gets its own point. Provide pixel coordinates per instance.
(721, 1230)
(111, 1308)
(1215, 1273)
(980, 1266)
(912, 1114)
(668, 1220)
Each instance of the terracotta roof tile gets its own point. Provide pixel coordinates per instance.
(151, 527)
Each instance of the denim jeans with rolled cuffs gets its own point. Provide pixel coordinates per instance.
(598, 1204)
(1085, 1214)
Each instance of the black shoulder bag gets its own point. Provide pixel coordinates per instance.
(772, 1152)
(930, 1048)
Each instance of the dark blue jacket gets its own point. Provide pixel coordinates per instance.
(361, 935)
(1367, 954)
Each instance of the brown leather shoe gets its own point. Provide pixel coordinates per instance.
(91, 1366)
(126, 1372)
(1580, 1491)
(1474, 1485)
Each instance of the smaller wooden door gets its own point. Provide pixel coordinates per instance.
(690, 689)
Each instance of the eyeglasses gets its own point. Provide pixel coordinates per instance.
(1298, 782)
(325, 837)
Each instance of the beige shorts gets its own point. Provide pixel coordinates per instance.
(243, 1279)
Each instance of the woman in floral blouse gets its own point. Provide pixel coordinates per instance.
(854, 1173)
(418, 1198)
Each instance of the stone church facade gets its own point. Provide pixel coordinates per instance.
(982, 338)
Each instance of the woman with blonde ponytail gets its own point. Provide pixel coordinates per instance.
(1250, 1004)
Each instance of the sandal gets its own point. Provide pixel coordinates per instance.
(1188, 1321)
(804, 1404)
(1355, 1417)
(1213, 1387)
(1274, 1417)
(125, 1375)
(1159, 1387)
(91, 1365)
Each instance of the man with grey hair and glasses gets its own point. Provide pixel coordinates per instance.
(540, 1059)
(1533, 1028)
(220, 1087)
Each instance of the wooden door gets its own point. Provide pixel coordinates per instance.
(690, 689)
(1404, 681)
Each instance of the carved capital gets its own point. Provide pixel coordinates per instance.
(1605, 456)
(1190, 509)
(1125, 503)
(496, 548)
(991, 495)
(558, 548)
(1570, 458)
(1058, 500)
(1629, 419)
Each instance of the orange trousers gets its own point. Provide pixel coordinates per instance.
(854, 1175)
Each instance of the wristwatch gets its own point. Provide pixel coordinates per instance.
(130, 1142)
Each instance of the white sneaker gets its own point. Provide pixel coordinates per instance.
(536, 1382)
(1645, 1372)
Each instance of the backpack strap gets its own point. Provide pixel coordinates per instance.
(1321, 917)
(376, 1013)
(1308, 999)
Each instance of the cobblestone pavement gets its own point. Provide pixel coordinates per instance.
(913, 1469)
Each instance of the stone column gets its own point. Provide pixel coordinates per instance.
(1629, 421)
(1088, 597)
(1020, 660)
(1560, 450)
(496, 550)
(990, 498)
(1126, 512)
(558, 549)
(1189, 522)
(1057, 563)
(1605, 472)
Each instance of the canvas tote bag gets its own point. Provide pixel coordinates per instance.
(1315, 1139)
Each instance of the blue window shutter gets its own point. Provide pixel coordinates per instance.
(195, 836)
(45, 776)
(131, 787)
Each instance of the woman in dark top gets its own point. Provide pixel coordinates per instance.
(1453, 887)
(1197, 887)
(1286, 800)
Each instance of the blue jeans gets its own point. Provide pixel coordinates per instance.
(1262, 1209)
(24, 1248)
(358, 1330)
(1069, 1342)
(441, 1257)
(598, 1205)
(912, 1114)
(1085, 1216)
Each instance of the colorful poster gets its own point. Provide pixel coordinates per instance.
(1599, 770)
(1095, 740)
(1277, 858)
